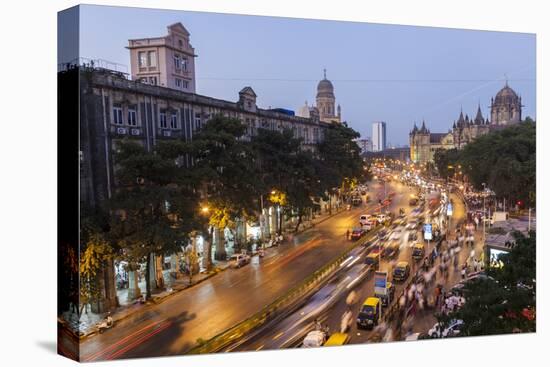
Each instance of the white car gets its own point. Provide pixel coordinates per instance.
(438, 331)
(239, 260)
(364, 219)
(315, 338)
(396, 234)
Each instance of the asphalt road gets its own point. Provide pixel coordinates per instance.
(329, 303)
(174, 326)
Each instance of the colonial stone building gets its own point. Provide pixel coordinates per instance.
(505, 110)
(325, 100)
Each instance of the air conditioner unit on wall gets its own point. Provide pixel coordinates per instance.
(121, 130)
(167, 133)
(135, 131)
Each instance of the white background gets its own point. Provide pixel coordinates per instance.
(28, 181)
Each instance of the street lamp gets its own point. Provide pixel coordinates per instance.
(205, 210)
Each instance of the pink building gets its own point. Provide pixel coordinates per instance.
(168, 61)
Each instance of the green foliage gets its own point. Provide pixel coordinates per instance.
(498, 305)
(95, 252)
(155, 207)
(503, 159)
(225, 170)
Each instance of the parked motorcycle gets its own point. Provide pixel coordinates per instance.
(106, 324)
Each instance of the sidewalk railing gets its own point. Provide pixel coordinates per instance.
(270, 311)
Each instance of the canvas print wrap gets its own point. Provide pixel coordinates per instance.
(240, 183)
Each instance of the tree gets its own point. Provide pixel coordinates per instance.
(93, 255)
(224, 166)
(504, 160)
(504, 303)
(446, 162)
(191, 258)
(340, 157)
(154, 207)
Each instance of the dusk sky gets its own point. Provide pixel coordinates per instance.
(397, 74)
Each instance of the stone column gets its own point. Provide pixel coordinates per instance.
(133, 286)
(153, 273)
(221, 255)
(159, 273)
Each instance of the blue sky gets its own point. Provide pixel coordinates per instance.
(397, 74)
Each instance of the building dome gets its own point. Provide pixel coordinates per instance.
(506, 96)
(304, 111)
(325, 87)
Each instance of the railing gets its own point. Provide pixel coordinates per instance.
(268, 312)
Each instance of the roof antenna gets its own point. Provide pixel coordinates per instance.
(506, 80)
(325, 73)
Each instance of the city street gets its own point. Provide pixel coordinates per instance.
(329, 303)
(174, 326)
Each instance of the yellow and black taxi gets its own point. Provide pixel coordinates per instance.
(369, 314)
(418, 251)
(372, 259)
(401, 271)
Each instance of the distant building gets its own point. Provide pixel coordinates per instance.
(505, 110)
(378, 136)
(401, 154)
(168, 61)
(505, 107)
(365, 144)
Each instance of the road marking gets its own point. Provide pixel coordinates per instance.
(114, 345)
(260, 347)
(138, 341)
(353, 262)
(345, 261)
(278, 335)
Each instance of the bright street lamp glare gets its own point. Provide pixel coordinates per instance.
(205, 209)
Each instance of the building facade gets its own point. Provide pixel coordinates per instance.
(115, 108)
(378, 136)
(168, 61)
(505, 110)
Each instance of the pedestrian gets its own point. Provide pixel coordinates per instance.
(463, 272)
(347, 234)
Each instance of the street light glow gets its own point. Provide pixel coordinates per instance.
(205, 209)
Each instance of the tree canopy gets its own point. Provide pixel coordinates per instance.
(505, 302)
(504, 159)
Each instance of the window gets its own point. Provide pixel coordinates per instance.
(174, 121)
(163, 124)
(184, 63)
(132, 121)
(152, 58)
(180, 42)
(153, 80)
(177, 61)
(197, 121)
(185, 84)
(178, 82)
(117, 115)
(142, 59)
